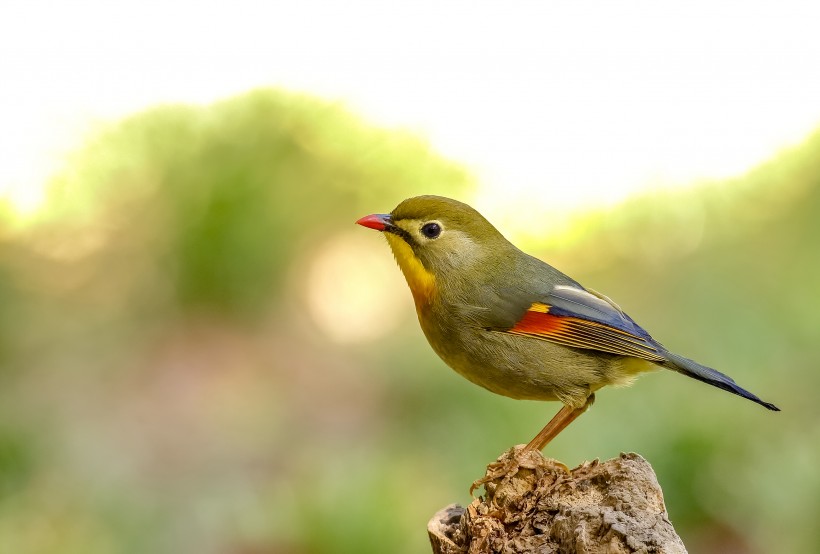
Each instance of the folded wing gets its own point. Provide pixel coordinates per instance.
(578, 318)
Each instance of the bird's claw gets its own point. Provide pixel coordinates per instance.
(496, 470)
(508, 466)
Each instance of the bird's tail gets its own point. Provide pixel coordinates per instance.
(713, 377)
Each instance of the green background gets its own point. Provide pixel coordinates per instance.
(163, 387)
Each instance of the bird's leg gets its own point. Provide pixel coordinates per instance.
(564, 417)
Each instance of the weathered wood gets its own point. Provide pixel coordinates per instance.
(535, 505)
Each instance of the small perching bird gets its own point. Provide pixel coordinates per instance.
(514, 324)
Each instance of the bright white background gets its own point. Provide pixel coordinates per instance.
(563, 104)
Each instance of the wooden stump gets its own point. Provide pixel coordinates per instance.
(538, 506)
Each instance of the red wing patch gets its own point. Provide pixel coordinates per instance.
(537, 322)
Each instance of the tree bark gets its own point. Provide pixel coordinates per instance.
(536, 505)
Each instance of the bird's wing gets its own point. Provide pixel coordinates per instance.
(581, 319)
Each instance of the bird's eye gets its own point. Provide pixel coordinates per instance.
(431, 230)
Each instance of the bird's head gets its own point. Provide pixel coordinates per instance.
(435, 238)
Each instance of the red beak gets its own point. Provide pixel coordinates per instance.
(378, 222)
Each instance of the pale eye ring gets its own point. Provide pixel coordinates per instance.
(431, 230)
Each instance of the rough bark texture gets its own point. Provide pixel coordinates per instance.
(536, 505)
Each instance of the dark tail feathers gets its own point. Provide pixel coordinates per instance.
(713, 377)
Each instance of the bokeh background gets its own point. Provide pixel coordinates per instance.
(200, 352)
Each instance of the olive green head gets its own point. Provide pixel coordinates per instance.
(444, 234)
(437, 239)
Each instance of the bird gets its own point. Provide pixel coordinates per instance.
(515, 325)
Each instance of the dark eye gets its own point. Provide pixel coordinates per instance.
(431, 230)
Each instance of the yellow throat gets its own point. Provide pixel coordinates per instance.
(421, 282)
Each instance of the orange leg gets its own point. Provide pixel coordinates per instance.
(564, 417)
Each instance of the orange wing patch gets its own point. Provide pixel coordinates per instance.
(575, 332)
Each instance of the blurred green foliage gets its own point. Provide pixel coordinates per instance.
(165, 389)
(219, 198)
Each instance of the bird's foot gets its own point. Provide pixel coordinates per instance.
(511, 463)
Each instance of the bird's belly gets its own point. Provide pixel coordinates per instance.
(529, 368)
